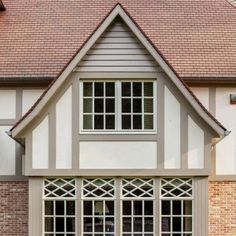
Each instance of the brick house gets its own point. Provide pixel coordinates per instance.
(118, 118)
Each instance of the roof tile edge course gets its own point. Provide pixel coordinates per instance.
(157, 50)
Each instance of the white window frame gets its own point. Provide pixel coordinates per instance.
(171, 199)
(118, 113)
(156, 197)
(132, 216)
(97, 198)
(65, 216)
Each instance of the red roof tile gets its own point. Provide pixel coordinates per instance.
(39, 37)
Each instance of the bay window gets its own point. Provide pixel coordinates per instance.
(118, 206)
(118, 106)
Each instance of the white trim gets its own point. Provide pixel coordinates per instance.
(118, 104)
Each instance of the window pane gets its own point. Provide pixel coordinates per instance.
(98, 208)
(87, 121)
(165, 224)
(48, 207)
(98, 107)
(148, 89)
(148, 207)
(137, 122)
(110, 122)
(99, 89)
(187, 223)
(138, 207)
(59, 224)
(98, 224)
(126, 105)
(137, 89)
(109, 207)
(49, 224)
(187, 208)
(88, 208)
(176, 208)
(59, 207)
(127, 224)
(148, 122)
(138, 225)
(110, 89)
(127, 208)
(88, 91)
(109, 225)
(148, 224)
(70, 207)
(70, 224)
(165, 207)
(88, 224)
(87, 106)
(98, 121)
(137, 105)
(110, 105)
(126, 89)
(126, 122)
(176, 224)
(148, 105)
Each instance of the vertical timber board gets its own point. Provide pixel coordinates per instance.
(35, 207)
(200, 207)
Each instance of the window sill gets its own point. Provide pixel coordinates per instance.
(118, 132)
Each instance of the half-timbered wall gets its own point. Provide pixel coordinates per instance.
(217, 101)
(14, 102)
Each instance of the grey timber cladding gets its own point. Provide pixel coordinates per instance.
(118, 50)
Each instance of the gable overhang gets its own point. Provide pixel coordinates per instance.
(118, 10)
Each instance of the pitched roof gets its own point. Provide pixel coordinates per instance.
(57, 83)
(38, 38)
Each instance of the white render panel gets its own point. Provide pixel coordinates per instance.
(118, 155)
(171, 131)
(29, 97)
(7, 152)
(8, 104)
(226, 149)
(195, 145)
(64, 131)
(202, 94)
(40, 145)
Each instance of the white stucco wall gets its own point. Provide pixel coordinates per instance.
(40, 145)
(7, 152)
(171, 130)
(202, 93)
(7, 104)
(118, 155)
(195, 145)
(226, 149)
(64, 131)
(29, 97)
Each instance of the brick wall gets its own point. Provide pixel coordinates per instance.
(222, 208)
(13, 208)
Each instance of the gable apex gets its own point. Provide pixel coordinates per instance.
(118, 10)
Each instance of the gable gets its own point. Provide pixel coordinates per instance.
(118, 50)
(82, 53)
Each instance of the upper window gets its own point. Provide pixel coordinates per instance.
(118, 106)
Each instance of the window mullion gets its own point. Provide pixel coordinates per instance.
(118, 103)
